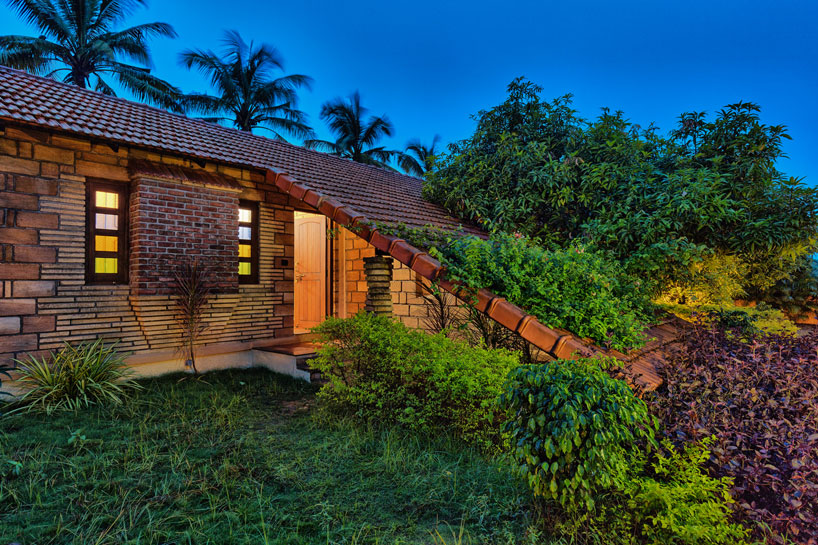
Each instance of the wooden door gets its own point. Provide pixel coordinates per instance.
(310, 270)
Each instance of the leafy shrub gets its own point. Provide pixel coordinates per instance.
(669, 500)
(760, 400)
(574, 289)
(379, 370)
(748, 320)
(582, 440)
(658, 203)
(74, 378)
(572, 428)
(715, 279)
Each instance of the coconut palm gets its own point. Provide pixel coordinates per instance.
(246, 95)
(79, 45)
(417, 159)
(355, 137)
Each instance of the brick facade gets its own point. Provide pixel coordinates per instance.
(46, 300)
(172, 222)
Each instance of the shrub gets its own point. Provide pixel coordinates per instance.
(748, 320)
(74, 378)
(379, 370)
(760, 400)
(573, 289)
(669, 500)
(572, 428)
(192, 288)
(584, 443)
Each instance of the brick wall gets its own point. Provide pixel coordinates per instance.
(408, 305)
(45, 300)
(173, 222)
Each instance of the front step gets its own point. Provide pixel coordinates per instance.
(290, 359)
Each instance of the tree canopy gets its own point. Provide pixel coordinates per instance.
(246, 94)
(79, 45)
(708, 192)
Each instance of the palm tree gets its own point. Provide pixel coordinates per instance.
(246, 96)
(417, 159)
(80, 46)
(355, 138)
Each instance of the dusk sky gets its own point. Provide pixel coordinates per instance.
(429, 65)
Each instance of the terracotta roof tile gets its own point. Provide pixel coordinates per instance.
(380, 195)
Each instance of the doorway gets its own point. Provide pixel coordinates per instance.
(310, 268)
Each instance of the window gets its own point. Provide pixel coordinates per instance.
(248, 242)
(107, 231)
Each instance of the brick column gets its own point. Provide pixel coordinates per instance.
(378, 270)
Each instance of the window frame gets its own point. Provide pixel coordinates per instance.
(122, 211)
(253, 277)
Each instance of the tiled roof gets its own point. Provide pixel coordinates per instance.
(352, 194)
(379, 194)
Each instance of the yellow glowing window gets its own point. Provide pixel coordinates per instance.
(244, 250)
(109, 222)
(105, 199)
(245, 215)
(105, 265)
(105, 244)
(244, 268)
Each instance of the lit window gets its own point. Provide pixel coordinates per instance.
(248, 242)
(107, 235)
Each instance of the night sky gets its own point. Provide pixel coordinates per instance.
(429, 65)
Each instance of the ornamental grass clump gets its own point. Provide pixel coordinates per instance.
(759, 399)
(74, 378)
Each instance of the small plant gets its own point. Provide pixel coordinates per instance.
(759, 398)
(573, 429)
(74, 378)
(441, 309)
(192, 288)
(381, 371)
(4, 372)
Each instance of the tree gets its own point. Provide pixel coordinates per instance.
(707, 193)
(80, 46)
(246, 96)
(192, 289)
(418, 158)
(355, 137)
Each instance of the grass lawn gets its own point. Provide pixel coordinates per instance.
(240, 458)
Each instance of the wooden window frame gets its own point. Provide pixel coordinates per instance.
(121, 189)
(253, 277)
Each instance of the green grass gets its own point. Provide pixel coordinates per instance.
(241, 457)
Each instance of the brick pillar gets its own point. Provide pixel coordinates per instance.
(378, 270)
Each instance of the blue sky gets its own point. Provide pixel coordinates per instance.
(429, 65)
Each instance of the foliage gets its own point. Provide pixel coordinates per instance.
(78, 43)
(247, 96)
(797, 294)
(240, 459)
(760, 400)
(749, 320)
(658, 204)
(74, 378)
(715, 279)
(355, 137)
(573, 289)
(418, 158)
(192, 288)
(669, 499)
(572, 428)
(379, 370)
(441, 309)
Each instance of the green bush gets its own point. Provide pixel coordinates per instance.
(74, 378)
(585, 445)
(749, 320)
(379, 370)
(669, 500)
(573, 289)
(572, 428)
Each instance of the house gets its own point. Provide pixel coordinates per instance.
(101, 197)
